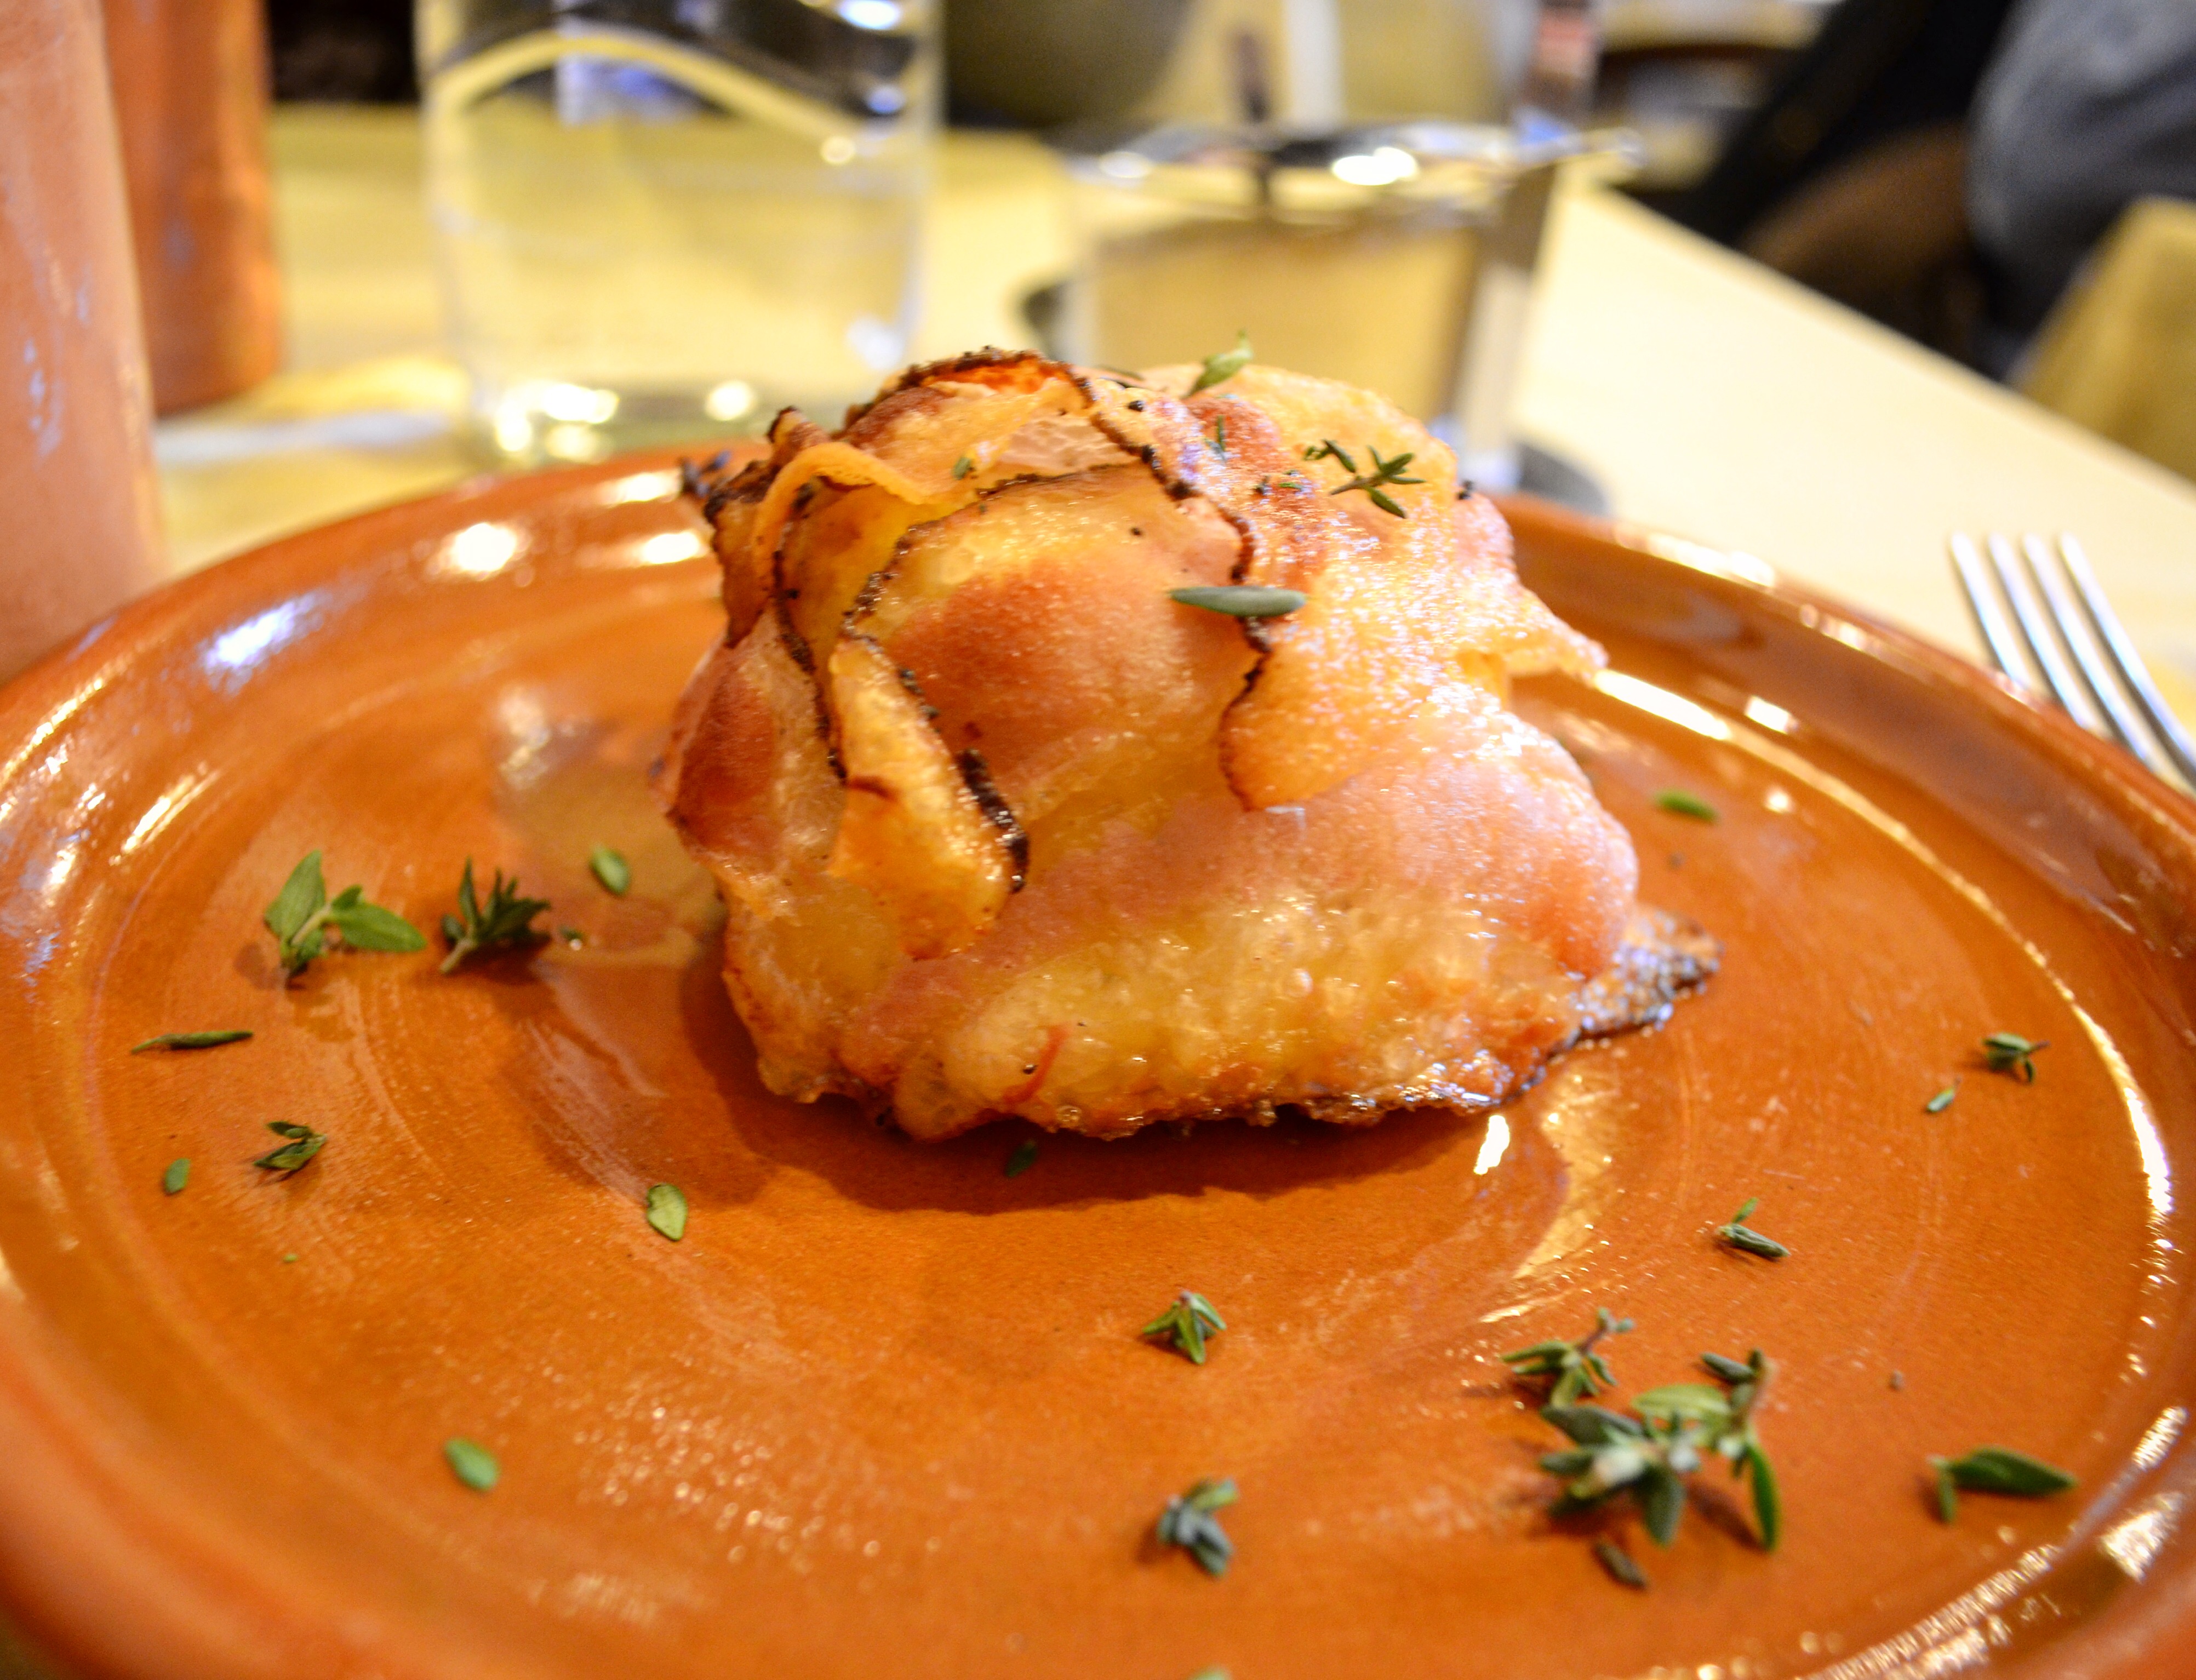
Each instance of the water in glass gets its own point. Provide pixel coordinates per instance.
(664, 219)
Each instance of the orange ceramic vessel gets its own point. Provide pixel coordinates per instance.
(884, 1410)
(80, 531)
(190, 92)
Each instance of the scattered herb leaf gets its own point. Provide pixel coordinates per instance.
(667, 1210)
(471, 1463)
(1220, 434)
(610, 869)
(289, 1260)
(177, 1176)
(1943, 1099)
(1652, 1454)
(572, 936)
(1186, 1324)
(1023, 1159)
(1995, 1469)
(1188, 1521)
(304, 1144)
(2009, 1053)
(1215, 1673)
(508, 918)
(192, 1040)
(1679, 802)
(1618, 1561)
(1226, 365)
(1387, 471)
(1241, 600)
(964, 467)
(1898, 1380)
(1578, 1371)
(301, 913)
(1740, 1235)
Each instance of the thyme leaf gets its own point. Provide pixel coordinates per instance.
(507, 920)
(1384, 471)
(471, 1463)
(192, 1040)
(1240, 600)
(1226, 365)
(1578, 1371)
(2009, 1053)
(667, 1210)
(302, 915)
(1187, 1323)
(177, 1176)
(1742, 1236)
(1618, 1561)
(1679, 802)
(1995, 1469)
(304, 1144)
(1188, 1521)
(610, 869)
(1023, 1159)
(1943, 1099)
(964, 467)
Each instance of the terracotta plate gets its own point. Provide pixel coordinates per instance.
(883, 1411)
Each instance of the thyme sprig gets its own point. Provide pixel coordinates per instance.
(302, 916)
(1384, 471)
(1740, 1235)
(1579, 1371)
(1678, 1429)
(303, 1144)
(1187, 1322)
(2009, 1053)
(1225, 364)
(1995, 1469)
(507, 920)
(1188, 1521)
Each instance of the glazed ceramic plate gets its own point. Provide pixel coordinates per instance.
(884, 1410)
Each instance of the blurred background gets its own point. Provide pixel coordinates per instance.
(383, 244)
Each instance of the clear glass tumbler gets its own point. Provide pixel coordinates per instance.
(660, 220)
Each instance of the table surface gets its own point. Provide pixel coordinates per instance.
(1711, 398)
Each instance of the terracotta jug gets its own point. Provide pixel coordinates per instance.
(190, 92)
(80, 531)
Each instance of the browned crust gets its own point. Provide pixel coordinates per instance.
(1663, 957)
(977, 775)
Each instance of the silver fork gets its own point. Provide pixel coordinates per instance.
(2064, 641)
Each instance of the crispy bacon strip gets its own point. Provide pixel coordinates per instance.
(1402, 614)
(914, 833)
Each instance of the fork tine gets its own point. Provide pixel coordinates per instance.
(2095, 671)
(2106, 623)
(2036, 630)
(1998, 635)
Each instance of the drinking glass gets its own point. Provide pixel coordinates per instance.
(661, 219)
(1398, 256)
